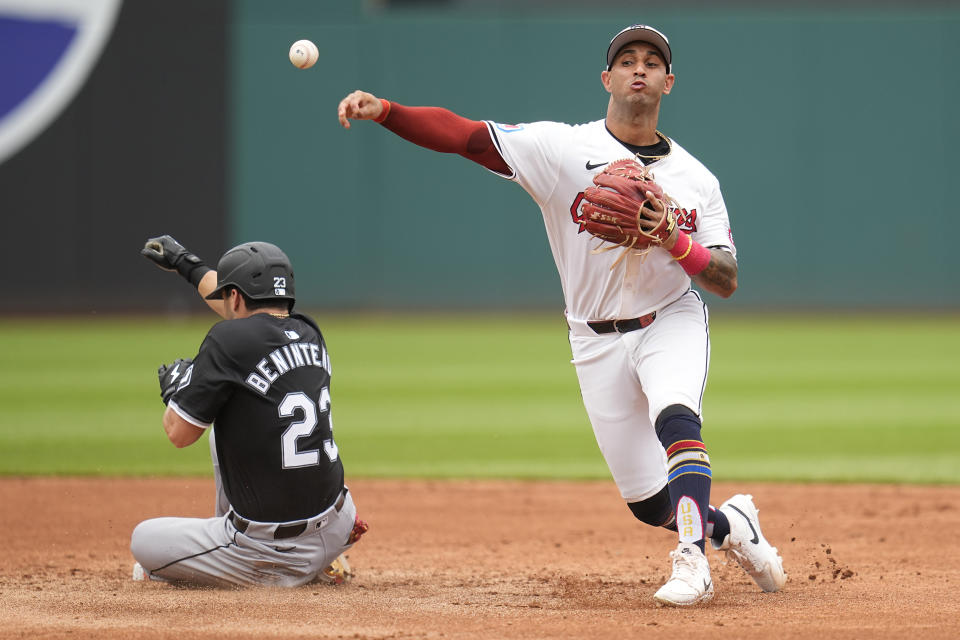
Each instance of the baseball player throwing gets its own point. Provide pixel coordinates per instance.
(638, 331)
(284, 516)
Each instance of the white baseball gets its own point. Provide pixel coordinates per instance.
(303, 54)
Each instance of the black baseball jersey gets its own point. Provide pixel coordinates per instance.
(264, 383)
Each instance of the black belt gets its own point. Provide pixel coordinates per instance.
(623, 326)
(284, 531)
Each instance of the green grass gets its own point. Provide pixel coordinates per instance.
(848, 399)
(851, 398)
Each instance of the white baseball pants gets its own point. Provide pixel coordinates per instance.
(627, 379)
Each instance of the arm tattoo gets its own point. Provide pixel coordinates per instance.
(720, 275)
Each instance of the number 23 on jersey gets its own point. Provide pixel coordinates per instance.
(312, 412)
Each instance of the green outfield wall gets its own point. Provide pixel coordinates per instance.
(832, 130)
(833, 133)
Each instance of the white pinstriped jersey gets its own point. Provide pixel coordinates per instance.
(555, 162)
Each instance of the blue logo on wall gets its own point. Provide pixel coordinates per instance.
(47, 50)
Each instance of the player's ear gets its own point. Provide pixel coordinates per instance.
(231, 298)
(605, 79)
(668, 85)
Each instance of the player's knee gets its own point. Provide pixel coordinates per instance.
(143, 544)
(676, 423)
(657, 511)
(137, 539)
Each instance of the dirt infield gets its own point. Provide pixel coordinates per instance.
(490, 560)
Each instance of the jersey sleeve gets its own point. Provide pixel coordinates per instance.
(533, 151)
(209, 384)
(714, 228)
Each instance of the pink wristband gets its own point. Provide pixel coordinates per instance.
(383, 114)
(692, 256)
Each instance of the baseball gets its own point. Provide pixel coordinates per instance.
(303, 54)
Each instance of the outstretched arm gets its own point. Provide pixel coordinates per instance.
(431, 127)
(170, 255)
(359, 105)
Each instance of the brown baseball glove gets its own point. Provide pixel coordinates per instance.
(617, 210)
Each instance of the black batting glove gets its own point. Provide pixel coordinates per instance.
(173, 376)
(169, 254)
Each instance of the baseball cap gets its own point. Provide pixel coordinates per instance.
(643, 33)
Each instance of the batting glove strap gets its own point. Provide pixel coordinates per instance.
(192, 269)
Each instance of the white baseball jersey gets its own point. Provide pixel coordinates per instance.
(555, 162)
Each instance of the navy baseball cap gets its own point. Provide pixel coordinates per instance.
(642, 33)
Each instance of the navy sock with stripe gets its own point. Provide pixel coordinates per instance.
(718, 526)
(688, 472)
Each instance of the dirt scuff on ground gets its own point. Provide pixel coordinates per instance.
(490, 560)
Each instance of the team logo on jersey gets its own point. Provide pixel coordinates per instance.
(293, 335)
(509, 128)
(48, 48)
(686, 220)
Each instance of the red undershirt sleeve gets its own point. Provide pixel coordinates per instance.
(442, 130)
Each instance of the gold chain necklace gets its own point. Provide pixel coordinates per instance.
(279, 315)
(651, 158)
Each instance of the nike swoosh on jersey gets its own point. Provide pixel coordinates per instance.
(591, 167)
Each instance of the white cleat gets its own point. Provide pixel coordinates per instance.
(138, 573)
(690, 582)
(747, 545)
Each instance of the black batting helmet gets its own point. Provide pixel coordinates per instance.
(259, 269)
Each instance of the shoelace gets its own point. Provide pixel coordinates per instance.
(684, 566)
